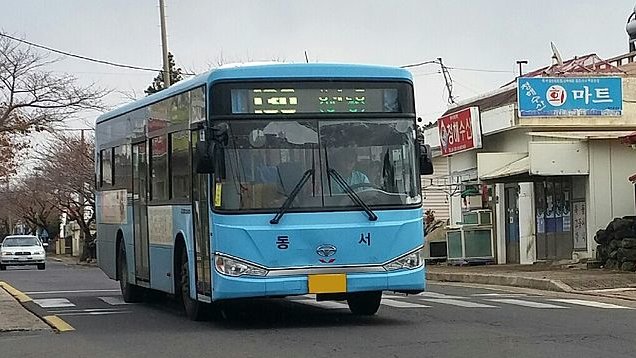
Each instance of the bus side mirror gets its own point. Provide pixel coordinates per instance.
(426, 159)
(205, 157)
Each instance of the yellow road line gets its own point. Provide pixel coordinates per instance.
(58, 323)
(15, 293)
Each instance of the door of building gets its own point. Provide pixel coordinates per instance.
(512, 224)
(553, 197)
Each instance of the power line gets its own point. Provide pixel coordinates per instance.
(103, 62)
(436, 62)
(479, 70)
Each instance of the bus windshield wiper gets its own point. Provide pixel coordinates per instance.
(352, 194)
(287, 204)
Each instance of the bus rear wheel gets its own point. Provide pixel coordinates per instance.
(364, 303)
(131, 293)
(193, 308)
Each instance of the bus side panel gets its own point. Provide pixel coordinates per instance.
(107, 241)
(161, 275)
(165, 224)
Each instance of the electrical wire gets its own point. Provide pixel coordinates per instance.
(103, 62)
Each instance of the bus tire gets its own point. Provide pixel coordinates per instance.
(193, 308)
(131, 293)
(364, 303)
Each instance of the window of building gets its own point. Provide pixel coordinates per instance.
(180, 164)
(106, 167)
(159, 168)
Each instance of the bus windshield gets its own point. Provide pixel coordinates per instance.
(263, 160)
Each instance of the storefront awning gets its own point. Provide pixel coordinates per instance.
(520, 166)
(583, 135)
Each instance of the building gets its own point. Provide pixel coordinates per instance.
(543, 154)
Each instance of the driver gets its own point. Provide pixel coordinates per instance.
(344, 162)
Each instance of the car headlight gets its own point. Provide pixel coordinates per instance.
(6, 253)
(408, 261)
(234, 267)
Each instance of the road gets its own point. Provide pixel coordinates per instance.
(447, 321)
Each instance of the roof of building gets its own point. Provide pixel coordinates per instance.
(589, 64)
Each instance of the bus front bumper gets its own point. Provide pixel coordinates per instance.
(227, 287)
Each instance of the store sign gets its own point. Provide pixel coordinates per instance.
(460, 131)
(569, 96)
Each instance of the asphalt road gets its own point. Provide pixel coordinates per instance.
(447, 321)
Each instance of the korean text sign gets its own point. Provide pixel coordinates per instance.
(570, 96)
(460, 131)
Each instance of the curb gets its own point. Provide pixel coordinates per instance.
(515, 281)
(500, 280)
(58, 324)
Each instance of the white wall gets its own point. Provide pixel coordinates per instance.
(609, 193)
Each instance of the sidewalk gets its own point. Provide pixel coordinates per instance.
(69, 260)
(575, 279)
(15, 317)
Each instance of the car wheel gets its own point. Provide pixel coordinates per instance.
(41, 266)
(3, 267)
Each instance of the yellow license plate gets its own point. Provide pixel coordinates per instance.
(328, 283)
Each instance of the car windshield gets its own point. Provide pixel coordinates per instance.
(20, 241)
(264, 160)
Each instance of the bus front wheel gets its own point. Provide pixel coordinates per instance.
(193, 308)
(364, 303)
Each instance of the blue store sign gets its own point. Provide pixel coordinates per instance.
(569, 96)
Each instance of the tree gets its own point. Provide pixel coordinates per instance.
(67, 165)
(32, 200)
(35, 99)
(176, 75)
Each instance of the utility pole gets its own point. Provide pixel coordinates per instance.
(164, 45)
(448, 80)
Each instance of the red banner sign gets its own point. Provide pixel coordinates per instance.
(460, 131)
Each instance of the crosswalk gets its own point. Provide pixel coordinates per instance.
(431, 300)
(114, 304)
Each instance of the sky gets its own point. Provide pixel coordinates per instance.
(480, 40)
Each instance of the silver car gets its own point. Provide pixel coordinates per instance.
(19, 250)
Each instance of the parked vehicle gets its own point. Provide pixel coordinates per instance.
(20, 250)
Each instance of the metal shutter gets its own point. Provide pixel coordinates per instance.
(435, 188)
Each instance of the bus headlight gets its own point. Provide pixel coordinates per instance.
(234, 267)
(408, 261)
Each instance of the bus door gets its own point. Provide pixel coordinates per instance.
(140, 211)
(201, 226)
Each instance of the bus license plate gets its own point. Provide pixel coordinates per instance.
(328, 283)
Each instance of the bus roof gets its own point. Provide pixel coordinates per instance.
(260, 71)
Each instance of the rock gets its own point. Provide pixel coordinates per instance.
(601, 237)
(628, 266)
(615, 244)
(628, 243)
(626, 254)
(621, 224)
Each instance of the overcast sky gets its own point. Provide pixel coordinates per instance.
(475, 34)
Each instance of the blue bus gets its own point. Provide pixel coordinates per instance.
(265, 180)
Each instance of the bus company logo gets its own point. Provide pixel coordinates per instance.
(326, 251)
